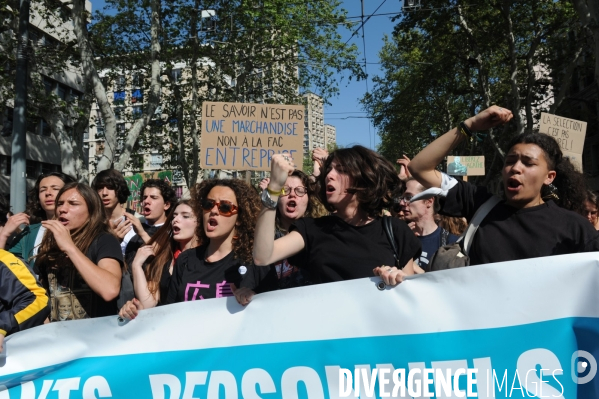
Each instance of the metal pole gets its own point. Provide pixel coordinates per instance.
(18, 181)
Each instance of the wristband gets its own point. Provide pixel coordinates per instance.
(465, 130)
(273, 192)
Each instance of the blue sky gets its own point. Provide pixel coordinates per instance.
(347, 104)
(355, 130)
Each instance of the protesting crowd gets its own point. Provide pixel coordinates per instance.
(82, 254)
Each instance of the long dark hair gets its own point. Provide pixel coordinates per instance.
(83, 236)
(165, 249)
(248, 203)
(570, 184)
(34, 208)
(374, 179)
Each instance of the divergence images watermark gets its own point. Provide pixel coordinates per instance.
(416, 382)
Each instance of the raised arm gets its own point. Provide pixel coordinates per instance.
(140, 284)
(423, 166)
(266, 249)
(103, 278)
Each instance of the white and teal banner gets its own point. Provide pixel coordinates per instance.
(516, 329)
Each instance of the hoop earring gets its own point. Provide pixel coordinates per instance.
(551, 192)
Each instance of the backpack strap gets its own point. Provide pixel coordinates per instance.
(388, 227)
(444, 236)
(476, 220)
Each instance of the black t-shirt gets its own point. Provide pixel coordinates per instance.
(508, 233)
(431, 243)
(194, 278)
(165, 281)
(279, 275)
(70, 296)
(336, 251)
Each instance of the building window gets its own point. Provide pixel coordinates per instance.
(75, 95)
(137, 96)
(31, 169)
(48, 167)
(5, 165)
(137, 111)
(176, 75)
(156, 161)
(138, 80)
(119, 113)
(45, 128)
(48, 85)
(119, 97)
(7, 122)
(61, 91)
(119, 83)
(120, 129)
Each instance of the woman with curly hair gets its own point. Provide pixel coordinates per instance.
(356, 184)
(40, 207)
(298, 200)
(153, 264)
(228, 209)
(541, 189)
(79, 258)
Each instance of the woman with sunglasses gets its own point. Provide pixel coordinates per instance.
(40, 207)
(229, 209)
(297, 200)
(356, 184)
(153, 264)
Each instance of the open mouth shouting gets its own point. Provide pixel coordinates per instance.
(513, 185)
(211, 224)
(291, 206)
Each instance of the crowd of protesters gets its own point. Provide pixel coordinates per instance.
(83, 254)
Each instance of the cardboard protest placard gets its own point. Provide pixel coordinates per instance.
(569, 134)
(242, 136)
(466, 166)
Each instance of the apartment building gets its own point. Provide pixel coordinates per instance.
(314, 135)
(127, 96)
(316, 132)
(43, 152)
(330, 135)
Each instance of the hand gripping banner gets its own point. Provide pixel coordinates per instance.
(515, 329)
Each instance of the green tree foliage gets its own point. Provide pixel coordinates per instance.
(448, 60)
(249, 51)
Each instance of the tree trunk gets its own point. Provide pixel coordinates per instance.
(91, 73)
(566, 80)
(195, 153)
(155, 87)
(588, 13)
(515, 94)
(483, 81)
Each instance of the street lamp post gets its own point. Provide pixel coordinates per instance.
(18, 180)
